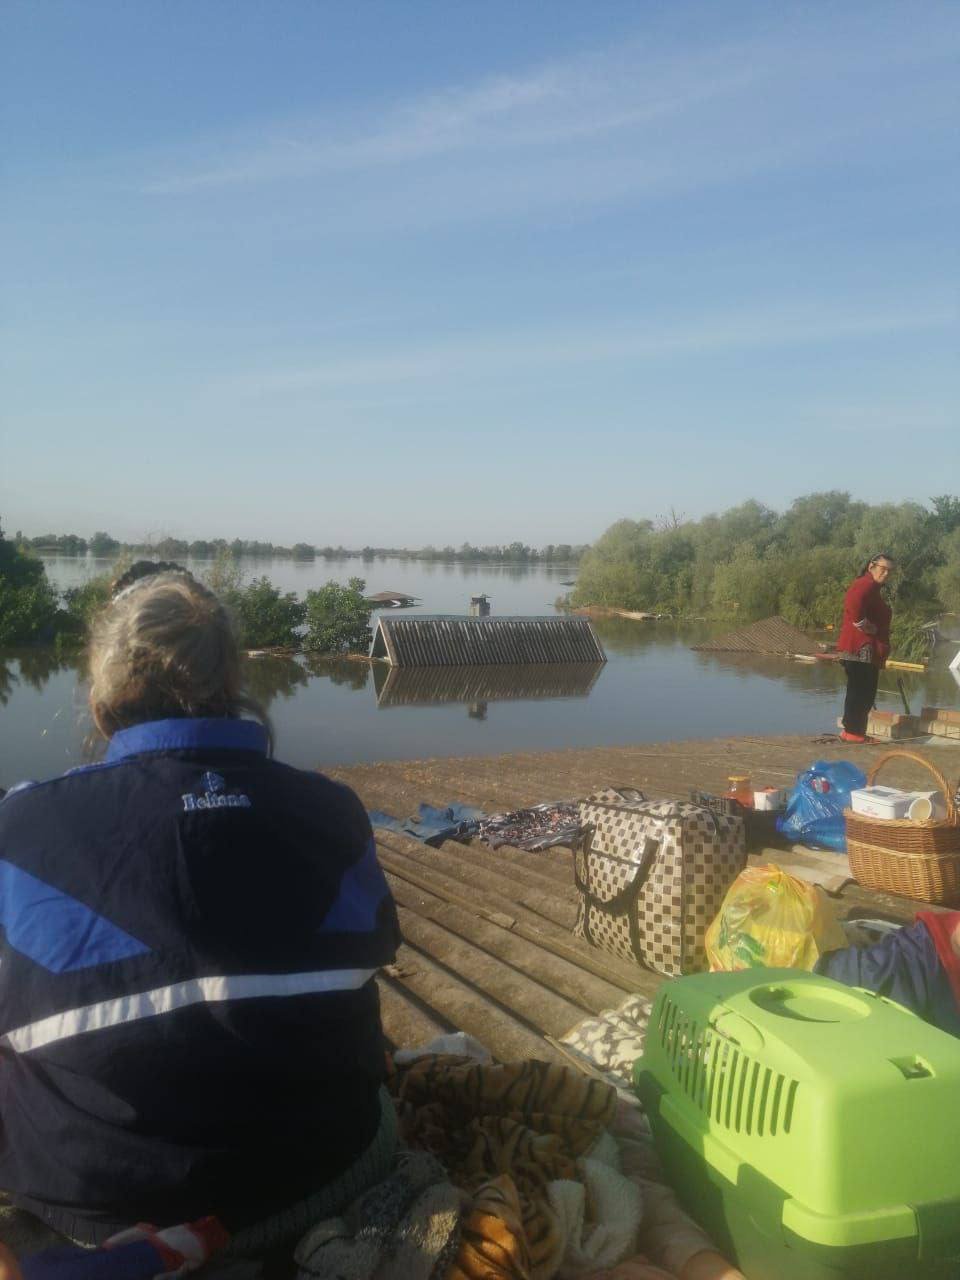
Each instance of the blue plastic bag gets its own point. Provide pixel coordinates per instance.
(814, 813)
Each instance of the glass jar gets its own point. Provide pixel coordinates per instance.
(740, 788)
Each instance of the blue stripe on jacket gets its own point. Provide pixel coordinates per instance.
(363, 887)
(54, 930)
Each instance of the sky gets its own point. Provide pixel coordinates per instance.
(411, 273)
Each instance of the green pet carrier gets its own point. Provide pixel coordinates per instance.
(812, 1129)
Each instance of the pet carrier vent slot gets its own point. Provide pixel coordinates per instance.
(791, 1099)
(726, 1084)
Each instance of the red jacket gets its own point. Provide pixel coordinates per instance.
(864, 601)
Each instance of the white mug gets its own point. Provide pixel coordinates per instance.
(929, 806)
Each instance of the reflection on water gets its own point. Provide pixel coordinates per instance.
(652, 688)
(269, 678)
(432, 686)
(349, 672)
(31, 668)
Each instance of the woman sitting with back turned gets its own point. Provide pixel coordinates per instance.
(188, 1013)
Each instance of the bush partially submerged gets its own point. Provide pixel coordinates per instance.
(338, 618)
(266, 618)
(28, 603)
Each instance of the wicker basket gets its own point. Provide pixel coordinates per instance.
(914, 859)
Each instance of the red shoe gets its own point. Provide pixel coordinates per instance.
(861, 739)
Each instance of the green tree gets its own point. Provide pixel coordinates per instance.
(83, 603)
(28, 603)
(820, 520)
(749, 561)
(747, 585)
(101, 544)
(171, 549)
(338, 618)
(908, 532)
(948, 575)
(946, 512)
(266, 618)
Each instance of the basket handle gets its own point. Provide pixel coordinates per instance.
(918, 759)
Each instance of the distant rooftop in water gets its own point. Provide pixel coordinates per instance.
(454, 640)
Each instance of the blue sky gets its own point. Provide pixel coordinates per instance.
(422, 272)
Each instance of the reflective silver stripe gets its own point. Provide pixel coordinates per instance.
(149, 1004)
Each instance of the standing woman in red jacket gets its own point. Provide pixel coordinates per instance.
(864, 644)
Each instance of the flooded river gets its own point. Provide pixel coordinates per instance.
(652, 688)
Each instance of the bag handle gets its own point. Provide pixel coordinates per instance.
(637, 795)
(633, 794)
(623, 901)
(951, 818)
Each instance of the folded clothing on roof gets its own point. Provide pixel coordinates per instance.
(538, 827)
(432, 825)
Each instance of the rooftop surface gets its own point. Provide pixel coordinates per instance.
(489, 947)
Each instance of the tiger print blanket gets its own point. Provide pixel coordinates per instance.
(492, 1241)
(531, 1121)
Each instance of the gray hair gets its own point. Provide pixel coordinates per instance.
(165, 648)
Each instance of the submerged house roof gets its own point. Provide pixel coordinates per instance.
(771, 635)
(458, 641)
(388, 597)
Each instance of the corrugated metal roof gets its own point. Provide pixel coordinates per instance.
(771, 635)
(424, 686)
(458, 641)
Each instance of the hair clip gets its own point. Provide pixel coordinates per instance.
(141, 570)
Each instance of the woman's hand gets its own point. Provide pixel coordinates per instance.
(709, 1265)
(866, 626)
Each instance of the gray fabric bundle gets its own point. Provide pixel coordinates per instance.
(405, 1228)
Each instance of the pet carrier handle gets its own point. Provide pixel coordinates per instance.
(945, 787)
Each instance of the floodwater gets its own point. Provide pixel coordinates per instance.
(651, 689)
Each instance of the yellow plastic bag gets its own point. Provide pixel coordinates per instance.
(771, 919)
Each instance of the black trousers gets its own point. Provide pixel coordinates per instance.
(862, 679)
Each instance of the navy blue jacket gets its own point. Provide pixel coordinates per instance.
(904, 966)
(188, 1018)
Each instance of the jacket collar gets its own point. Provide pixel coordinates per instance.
(188, 735)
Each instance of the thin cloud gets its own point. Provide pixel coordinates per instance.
(518, 352)
(548, 107)
(634, 90)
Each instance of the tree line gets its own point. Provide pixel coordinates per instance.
(102, 544)
(334, 619)
(751, 562)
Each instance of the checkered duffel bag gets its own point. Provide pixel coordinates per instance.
(651, 875)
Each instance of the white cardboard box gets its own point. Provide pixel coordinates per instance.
(881, 802)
